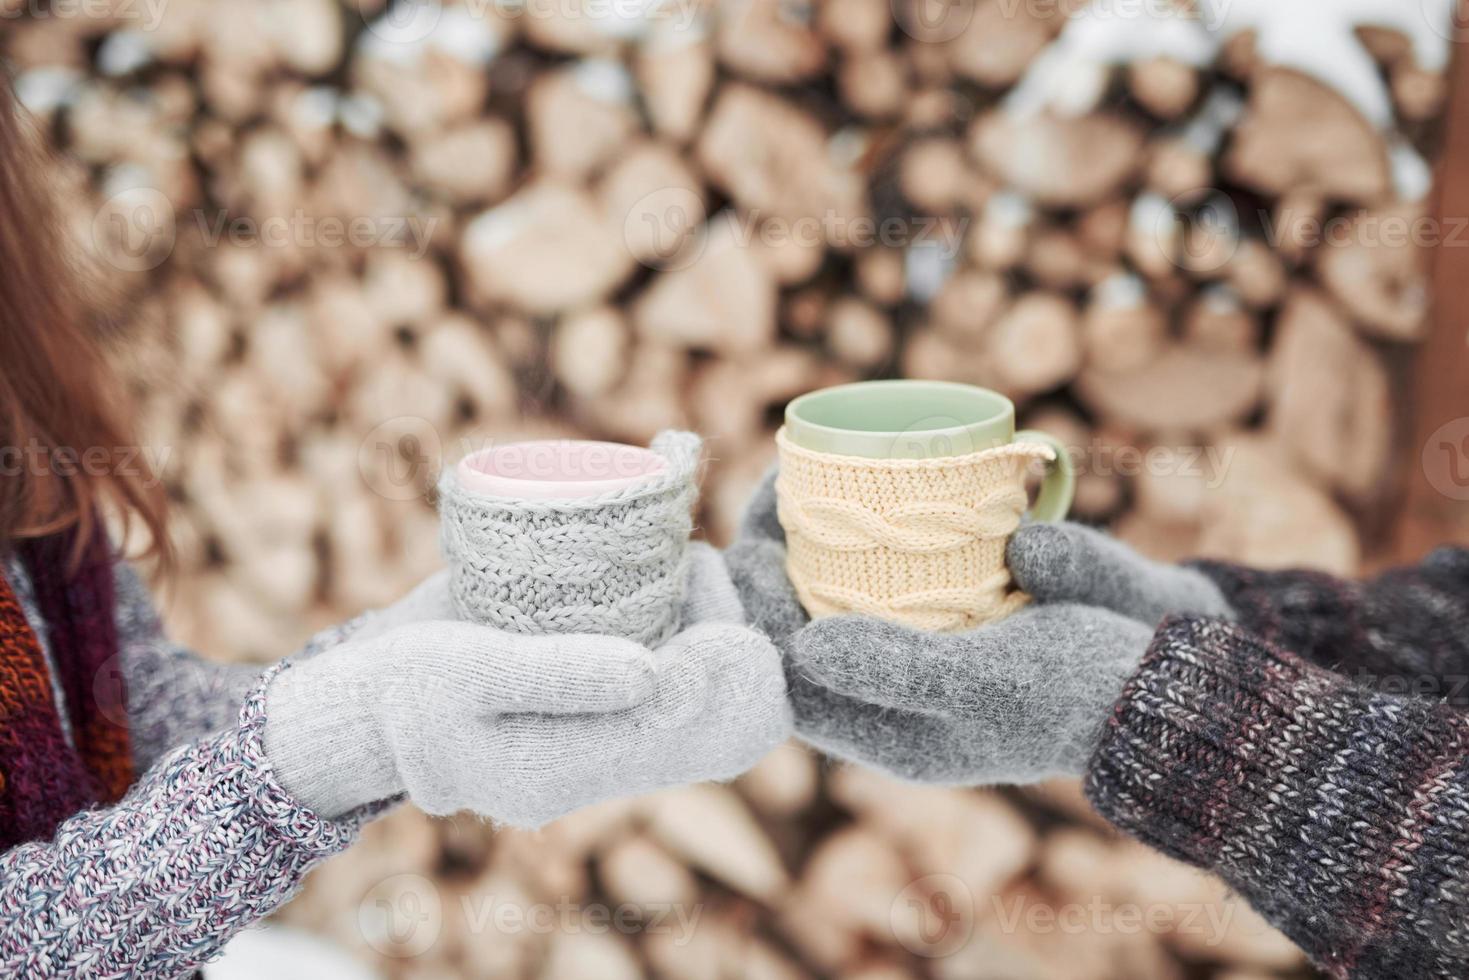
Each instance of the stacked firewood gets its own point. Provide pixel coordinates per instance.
(794, 871)
(359, 241)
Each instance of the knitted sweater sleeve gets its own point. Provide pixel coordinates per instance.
(1404, 632)
(206, 843)
(1341, 813)
(175, 696)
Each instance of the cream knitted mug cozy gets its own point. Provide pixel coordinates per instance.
(916, 541)
(611, 564)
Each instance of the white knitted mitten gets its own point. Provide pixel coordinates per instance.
(523, 729)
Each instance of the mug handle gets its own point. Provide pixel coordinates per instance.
(1059, 484)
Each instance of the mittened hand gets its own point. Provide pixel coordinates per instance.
(718, 705)
(1017, 701)
(1073, 563)
(523, 729)
(757, 564)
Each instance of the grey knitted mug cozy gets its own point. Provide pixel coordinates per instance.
(611, 564)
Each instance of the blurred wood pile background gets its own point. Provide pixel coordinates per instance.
(607, 217)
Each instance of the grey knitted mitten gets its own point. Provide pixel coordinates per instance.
(523, 729)
(1074, 563)
(1017, 701)
(611, 564)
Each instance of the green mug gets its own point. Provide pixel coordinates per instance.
(917, 420)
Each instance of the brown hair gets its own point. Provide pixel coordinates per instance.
(61, 403)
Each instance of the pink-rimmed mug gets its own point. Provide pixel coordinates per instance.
(557, 469)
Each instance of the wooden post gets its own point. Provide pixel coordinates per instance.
(1436, 506)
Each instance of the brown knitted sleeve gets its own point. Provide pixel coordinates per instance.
(1340, 813)
(1405, 632)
